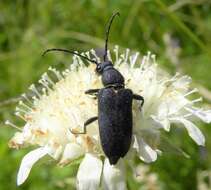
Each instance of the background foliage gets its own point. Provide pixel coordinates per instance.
(179, 32)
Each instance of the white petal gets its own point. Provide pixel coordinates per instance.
(146, 153)
(176, 102)
(166, 124)
(55, 151)
(161, 123)
(72, 151)
(28, 161)
(193, 131)
(114, 176)
(203, 115)
(89, 172)
(182, 83)
(163, 110)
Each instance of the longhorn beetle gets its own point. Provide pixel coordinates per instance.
(114, 105)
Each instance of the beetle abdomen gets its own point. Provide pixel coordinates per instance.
(115, 122)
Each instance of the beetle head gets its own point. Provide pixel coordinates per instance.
(109, 74)
(103, 66)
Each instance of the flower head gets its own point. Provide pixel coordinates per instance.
(63, 107)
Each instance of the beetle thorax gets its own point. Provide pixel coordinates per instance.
(110, 76)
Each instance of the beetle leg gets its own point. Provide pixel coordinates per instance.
(89, 121)
(138, 97)
(92, 91)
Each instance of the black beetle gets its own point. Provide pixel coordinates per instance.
(114, 106)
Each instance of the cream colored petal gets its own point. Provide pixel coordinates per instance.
(72, 151)
(28, 161)
(89, 173)
(114, 176)
(17, 140)
(146, 153)
(193, 131)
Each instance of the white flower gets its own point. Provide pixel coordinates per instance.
(63, 106)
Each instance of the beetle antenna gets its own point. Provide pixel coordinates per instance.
(107, 33)
(69, 51)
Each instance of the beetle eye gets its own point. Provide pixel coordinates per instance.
(98, 68)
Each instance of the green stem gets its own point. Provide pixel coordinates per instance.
(183, 27)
